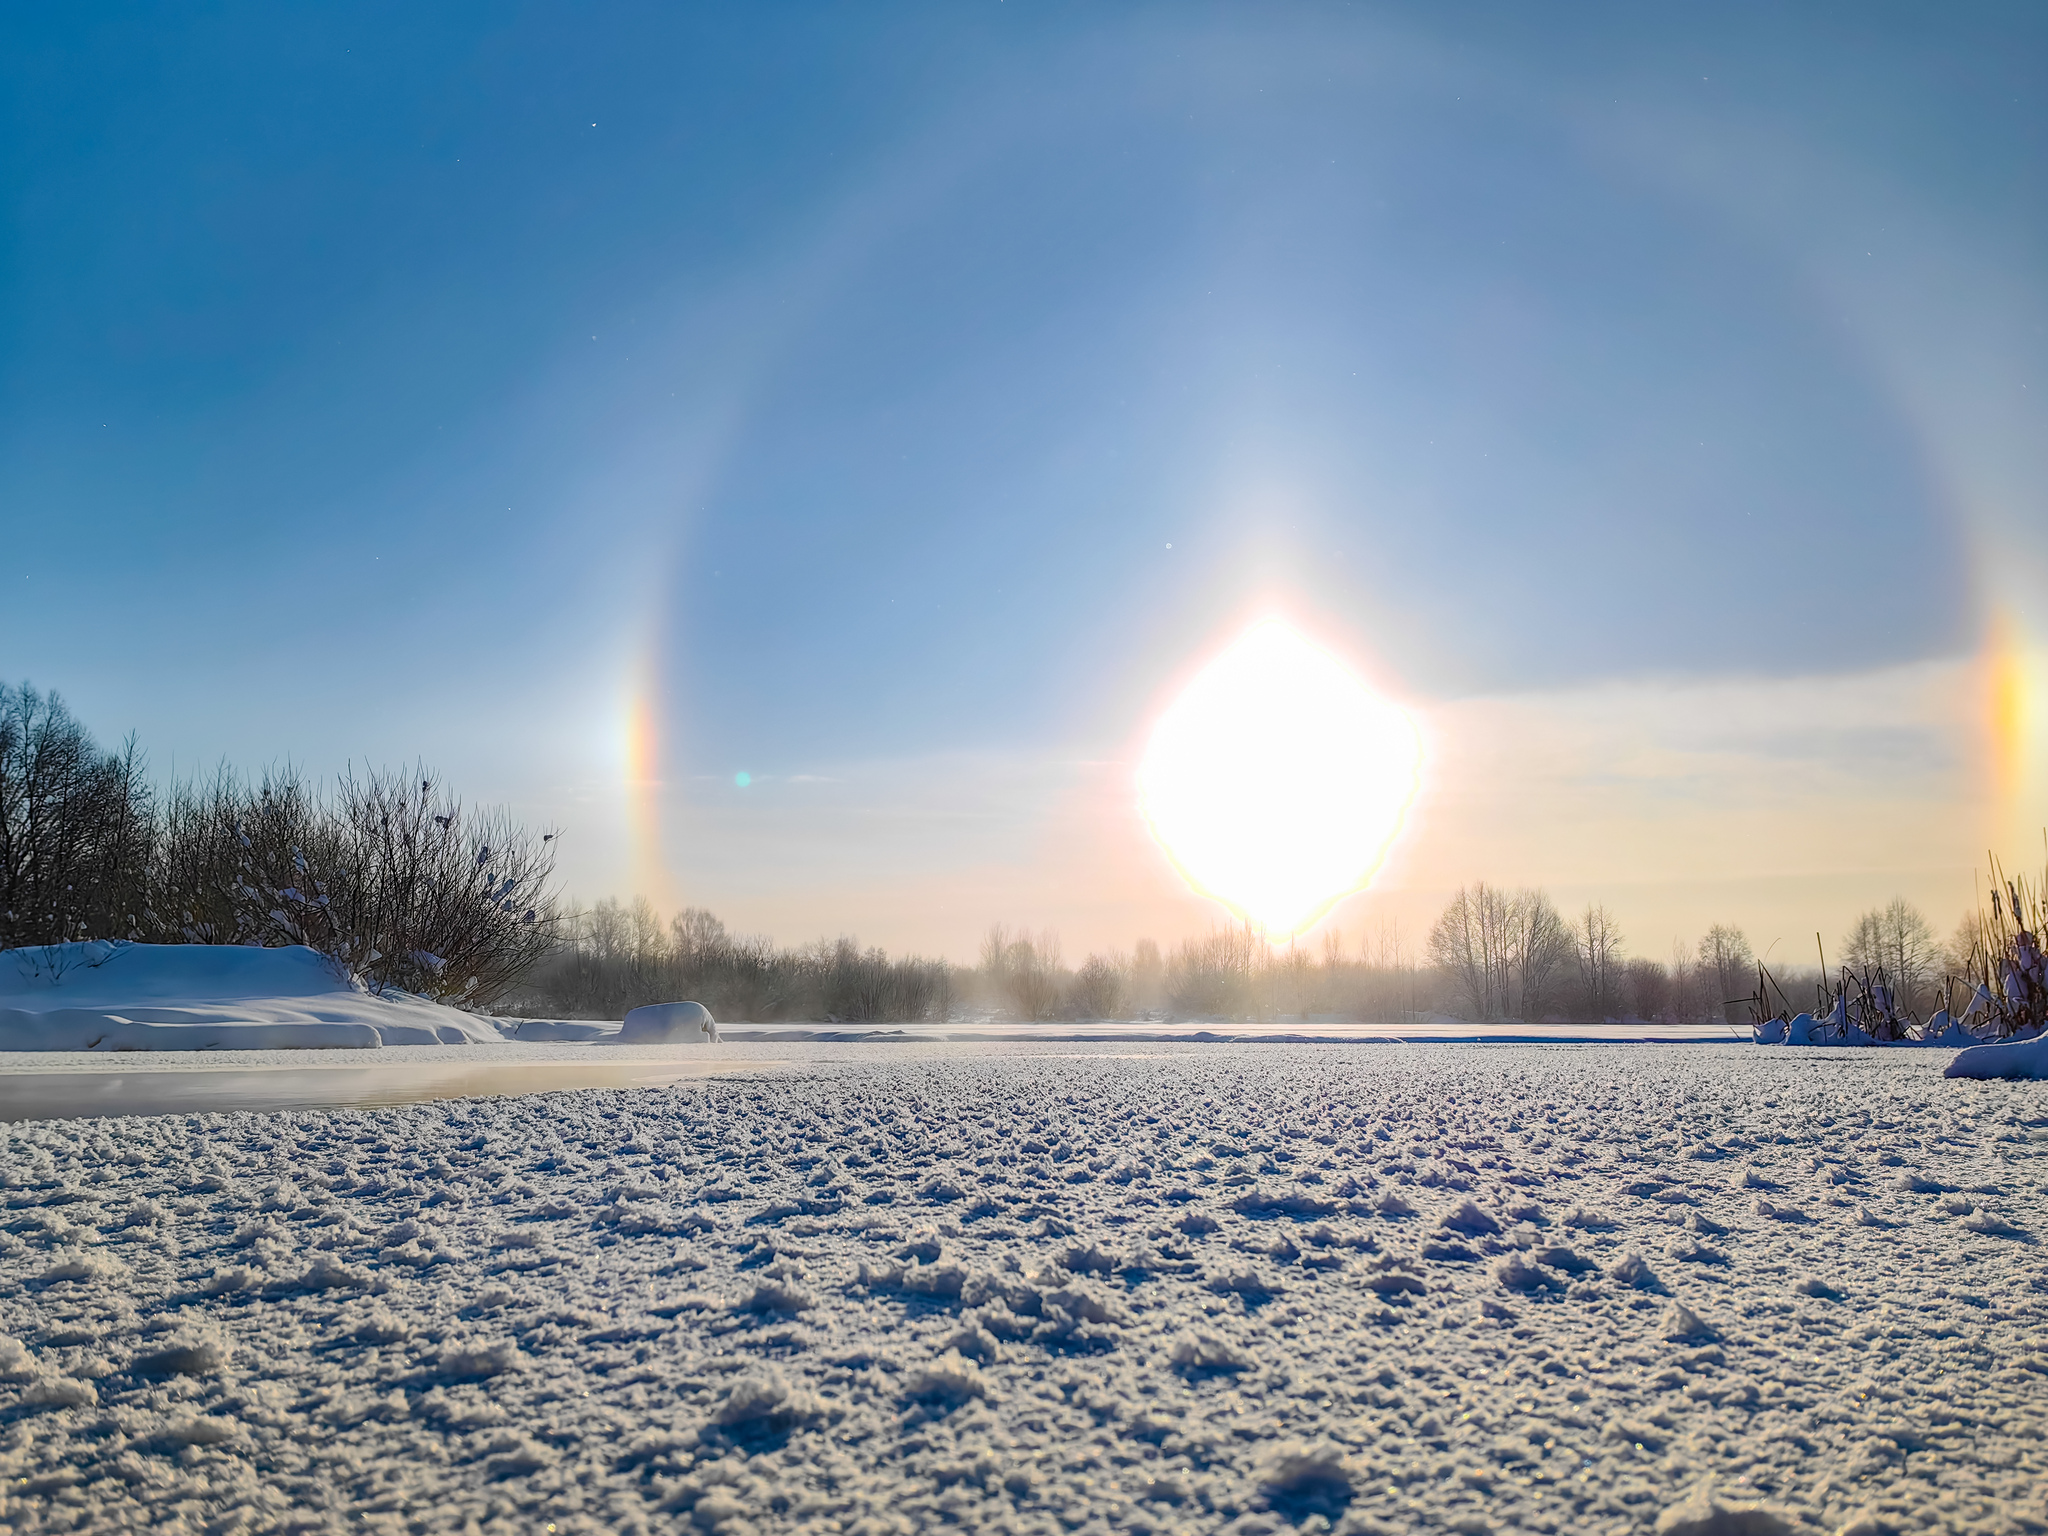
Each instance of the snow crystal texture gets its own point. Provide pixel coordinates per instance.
(1274, 1289)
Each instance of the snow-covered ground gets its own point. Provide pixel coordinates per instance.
(102, 996)
(1157, 1288)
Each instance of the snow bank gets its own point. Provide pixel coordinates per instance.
(557, 1031)
(106, 996)
(2008, 1058)
(1943, 1031)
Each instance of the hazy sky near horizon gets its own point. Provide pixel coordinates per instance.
(893, 402)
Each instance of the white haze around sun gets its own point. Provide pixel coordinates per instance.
(1278, 779)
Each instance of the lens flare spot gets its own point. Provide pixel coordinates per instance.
(743, 778)
(1278, 780)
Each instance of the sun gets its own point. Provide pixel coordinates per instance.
(1278, 780)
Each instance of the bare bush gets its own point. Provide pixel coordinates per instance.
(236, 864)
(390, 876)
(432, 898)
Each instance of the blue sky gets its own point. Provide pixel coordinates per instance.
(382, 382)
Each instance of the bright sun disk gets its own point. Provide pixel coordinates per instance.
(1278, 779)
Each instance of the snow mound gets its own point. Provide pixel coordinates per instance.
(1703, 1515)
(765, 1401)
(669, 1024)
(948, 1379)
(2008, 1058)
(105, 996)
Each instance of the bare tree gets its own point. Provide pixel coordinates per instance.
(1024, 971)
(1386, 982)
(75, 827)
(694, 932)
(1504, 950)
(1147, 975)
(1596, 944)
(1897, 940)
(1727, 967)
(1215, 977)
(1975, 933)
(1688, 995)
(1292, 981)
(1540, 948)
(1099, 988)
(1470, 943)
(995, 961)
(1646, 988)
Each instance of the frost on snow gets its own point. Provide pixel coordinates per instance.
(1266, 1289)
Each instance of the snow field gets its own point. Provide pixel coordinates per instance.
(1256, 1289)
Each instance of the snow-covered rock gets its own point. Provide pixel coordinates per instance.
(105, 996)
(669, 1024)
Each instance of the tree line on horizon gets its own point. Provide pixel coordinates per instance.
(1492, 955)
(405, 888)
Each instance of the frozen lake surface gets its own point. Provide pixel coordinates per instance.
(1155, 1287)
(63, 1084)
(152, 1087)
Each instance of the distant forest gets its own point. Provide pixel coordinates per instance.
(409, 890)
(1492, 955)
